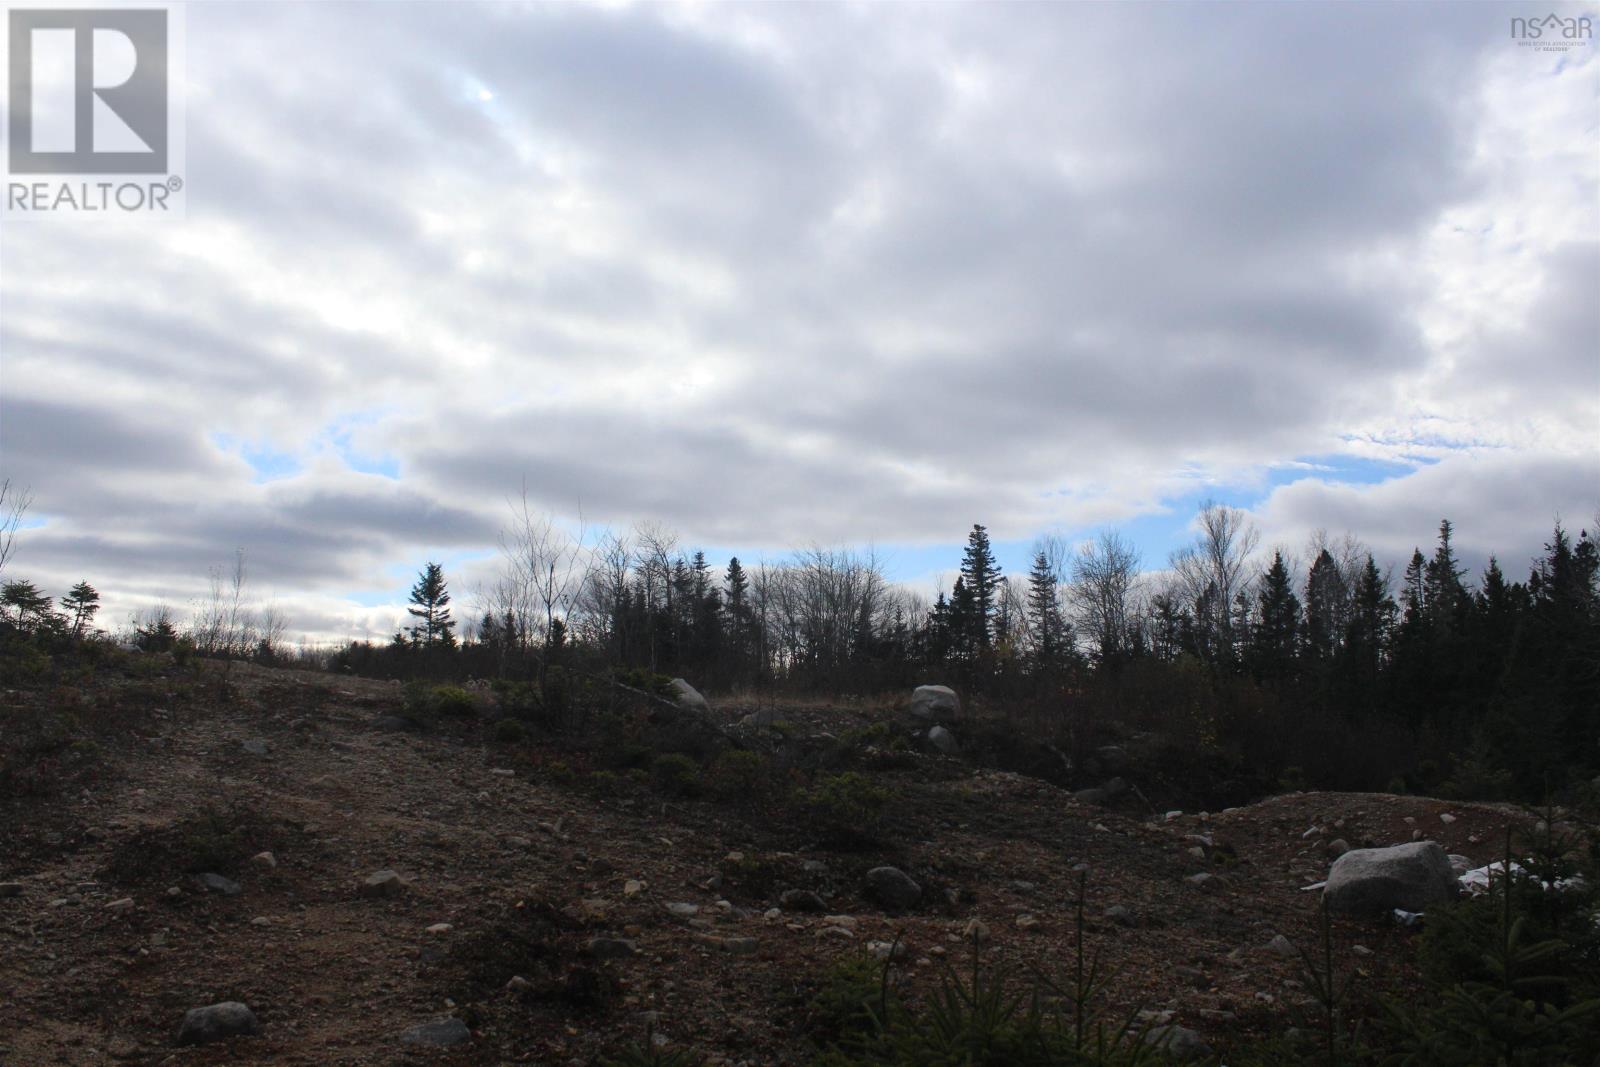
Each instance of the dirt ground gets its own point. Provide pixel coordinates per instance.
(109, 940)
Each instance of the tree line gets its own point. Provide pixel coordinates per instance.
(1499, 676)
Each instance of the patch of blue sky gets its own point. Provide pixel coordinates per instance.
(339, 435)
(267, 463)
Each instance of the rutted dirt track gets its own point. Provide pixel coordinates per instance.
(526, 868)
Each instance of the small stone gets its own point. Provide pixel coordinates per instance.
(682, 910)
(256, 748)
(1179, 1042)
(441, 1033)
(883, 950)
(383, 884)
(632, 887)
(846, 921)
(264, 859)
(125, 904)
(518, 984)
(217, 1022)
(1446, 818)
(837, 932)
(216, 883)
(1119, 915)
(734, 857)
(801, 900)
(1338, 847)
(735, 946)
(440, 928)
(611, 948)
(1026, 922)
(1282, 946)
(1205, 881)
(1361, 950)
(261, 920)
(502, 772)
(975, 930)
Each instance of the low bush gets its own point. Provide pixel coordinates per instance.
(848, 805)
(675, 775)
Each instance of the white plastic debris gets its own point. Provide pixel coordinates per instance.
(1477, 881)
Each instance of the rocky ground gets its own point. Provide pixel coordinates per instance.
(531, 918)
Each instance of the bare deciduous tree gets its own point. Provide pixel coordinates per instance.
(1105, 577)
(1213, 572)
(14, 504)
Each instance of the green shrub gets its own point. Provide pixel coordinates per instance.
(426, 703)
(847, 803)
(509, 732)
(739, 775)
(852, 997)
(676, 775)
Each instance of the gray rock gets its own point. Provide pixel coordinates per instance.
(944, 741)
(1282, 946)
(893, 888)
(1338, 847)
(801, 900)
(935, 703)
(688, 697)
(682, 910)
(216, 883)
(762, 717)
(1372, 882)
(441, 1033)
(1179, 1042)
(217, 1022)
(1119, 915)
(256, 748)
(611, 948)
(383, 884)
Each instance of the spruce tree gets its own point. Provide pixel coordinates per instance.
(981, 574)
(1275, 639)
(1326, 603)
(80, 604)
(1044, 614)
(430, 601)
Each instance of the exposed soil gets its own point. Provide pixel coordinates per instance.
(526, 867)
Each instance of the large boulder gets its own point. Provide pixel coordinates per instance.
(1371, 882)
(935, 703)
(688, 697)
(893, 888)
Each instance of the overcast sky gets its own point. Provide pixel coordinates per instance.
(783, 274)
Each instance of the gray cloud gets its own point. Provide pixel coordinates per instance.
(780, 273)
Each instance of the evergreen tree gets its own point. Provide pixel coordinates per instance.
(1446, 599)
(981, 574)
(1275, 640)
(1326, 603)
(965, 621)
(1050, 635)
(1364, 654)
(26, 604)
(430, 601)
(80, 604)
